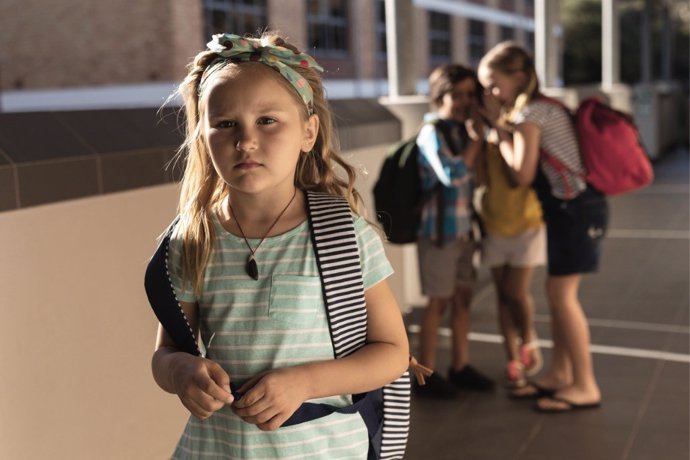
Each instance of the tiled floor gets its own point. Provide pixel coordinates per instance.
(638, 307)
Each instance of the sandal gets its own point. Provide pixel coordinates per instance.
(531, 390)
(531, 357)
(566, 405)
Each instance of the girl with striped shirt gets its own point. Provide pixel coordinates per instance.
(243, 269)
(532, 133)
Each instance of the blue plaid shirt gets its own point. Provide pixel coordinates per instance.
(438, 165)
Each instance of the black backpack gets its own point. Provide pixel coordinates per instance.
(398, 196)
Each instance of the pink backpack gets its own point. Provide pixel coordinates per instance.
(615, 160)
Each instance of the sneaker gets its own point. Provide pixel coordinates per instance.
(469, 378)
(436, 387)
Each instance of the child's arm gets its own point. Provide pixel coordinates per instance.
(521, 152)
(476, 130)
(201, 384)
(272, 397)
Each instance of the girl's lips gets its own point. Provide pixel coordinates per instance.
(247, 165)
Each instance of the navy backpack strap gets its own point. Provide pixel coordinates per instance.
(163, 300)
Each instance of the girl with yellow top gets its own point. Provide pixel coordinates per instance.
(514, 244)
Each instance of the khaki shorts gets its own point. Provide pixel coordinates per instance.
(526, 249)
(443, 270)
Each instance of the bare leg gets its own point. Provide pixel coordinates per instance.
(573, 328)
(505, 317)
(428, 334)
(559, 372)
(517, 283)
(460, 325)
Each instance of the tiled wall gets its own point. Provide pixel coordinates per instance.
(46, 157)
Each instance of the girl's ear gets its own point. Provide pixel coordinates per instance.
(311, 131)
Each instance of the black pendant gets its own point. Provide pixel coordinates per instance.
(251, 268)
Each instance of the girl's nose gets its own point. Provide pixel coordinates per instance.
(246, 142)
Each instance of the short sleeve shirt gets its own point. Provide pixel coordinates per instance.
(558, 139)
(276, 321)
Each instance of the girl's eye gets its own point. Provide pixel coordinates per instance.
(266, 121)
(225, 124)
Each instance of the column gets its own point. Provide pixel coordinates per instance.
(547, 38)
(610, 44)
(646, 44)
(399, 40)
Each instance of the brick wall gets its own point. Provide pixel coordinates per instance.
(86, 42)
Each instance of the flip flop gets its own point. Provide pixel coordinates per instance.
(539, 392)
(570, 406)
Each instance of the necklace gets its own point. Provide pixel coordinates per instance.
(251, 267)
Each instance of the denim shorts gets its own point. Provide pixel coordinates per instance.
(575, 230)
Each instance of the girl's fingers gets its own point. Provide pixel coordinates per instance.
(273, 424)
(218, 386)
(251, 394)
(268, 417)
(196, 409)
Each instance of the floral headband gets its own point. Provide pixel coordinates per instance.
(233, 48)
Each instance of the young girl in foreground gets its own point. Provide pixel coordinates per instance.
(259, 134)
(530, 131)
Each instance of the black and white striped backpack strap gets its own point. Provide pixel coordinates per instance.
(337, 257)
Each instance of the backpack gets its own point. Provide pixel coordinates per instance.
(386, 410)
(398, 196)
(615, 160)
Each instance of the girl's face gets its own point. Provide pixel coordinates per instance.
(503, 86)
(254, 128)
(457, 103)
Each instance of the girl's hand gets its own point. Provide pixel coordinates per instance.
(201, 384)
(475, 125)
(491, 111)
(270, 398)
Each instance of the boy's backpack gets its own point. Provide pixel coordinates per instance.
(386, 410)
(615, 160)
(398, 196)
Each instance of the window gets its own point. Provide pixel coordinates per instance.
(529, 8)
(381, 45)
(507, 33)
(327, 27)
(477, 41)
(439, 38)
(238, 17)
(529, 40)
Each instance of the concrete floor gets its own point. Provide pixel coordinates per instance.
(638, 308)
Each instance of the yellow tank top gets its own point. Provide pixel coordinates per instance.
(506, 210)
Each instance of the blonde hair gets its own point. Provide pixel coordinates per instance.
(203, 189)
(508, 58)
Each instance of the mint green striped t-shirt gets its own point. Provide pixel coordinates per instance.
(277, 321)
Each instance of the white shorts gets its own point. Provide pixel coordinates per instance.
(526, 249)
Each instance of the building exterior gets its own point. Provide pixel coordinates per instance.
(81, 43)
